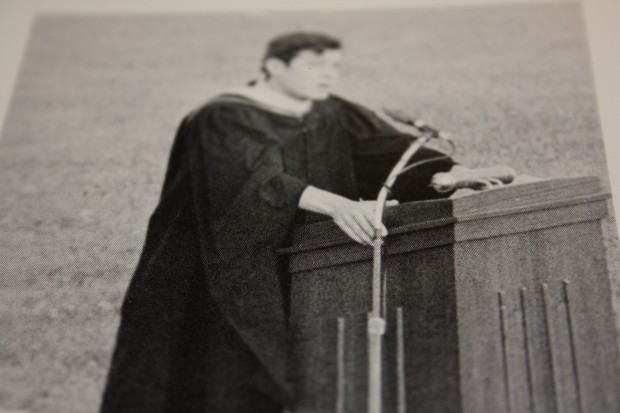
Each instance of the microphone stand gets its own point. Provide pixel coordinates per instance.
(376, 318)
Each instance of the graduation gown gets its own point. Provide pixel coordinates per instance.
(204, 320)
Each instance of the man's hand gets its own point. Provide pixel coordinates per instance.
(355, 218)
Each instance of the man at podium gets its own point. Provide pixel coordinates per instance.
(204, 321)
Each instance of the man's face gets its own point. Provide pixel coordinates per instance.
(309, 75)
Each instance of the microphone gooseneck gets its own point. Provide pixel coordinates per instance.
(404, 118)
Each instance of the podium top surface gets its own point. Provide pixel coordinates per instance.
(522, 200)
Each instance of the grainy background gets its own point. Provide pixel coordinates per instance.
(83, 150)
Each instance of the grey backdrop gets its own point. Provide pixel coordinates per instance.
(86, 139)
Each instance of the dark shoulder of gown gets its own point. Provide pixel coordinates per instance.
(377, 147)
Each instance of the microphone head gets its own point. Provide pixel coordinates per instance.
(400, 116)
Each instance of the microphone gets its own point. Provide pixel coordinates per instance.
(402, 117)
(472, 178)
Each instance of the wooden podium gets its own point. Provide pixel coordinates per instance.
(498, 301)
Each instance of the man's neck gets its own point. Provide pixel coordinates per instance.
(270, 95)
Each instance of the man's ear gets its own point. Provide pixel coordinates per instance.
(274, 66)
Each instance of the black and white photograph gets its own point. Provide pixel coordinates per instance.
(307, 210)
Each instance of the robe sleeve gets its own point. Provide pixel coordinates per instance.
(377, 147)
(252, 201)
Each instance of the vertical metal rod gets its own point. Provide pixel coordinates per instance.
(376, 329)
(377, 270)
(400, 362)
(571, 336)
(340, 394)
(549, 329)
(384, 295)
(526, 345)
(502, 325)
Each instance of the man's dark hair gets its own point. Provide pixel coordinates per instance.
(285, 47)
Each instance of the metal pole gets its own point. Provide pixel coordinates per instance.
(340, 393)
(501, 304)
(526, 346)
(550, 335)
(571, 336)
(376, 322)
(400, 362)
(376, 329)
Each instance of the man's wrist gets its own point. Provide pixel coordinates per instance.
(323, 202)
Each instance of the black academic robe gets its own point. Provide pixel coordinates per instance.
(204, 321)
